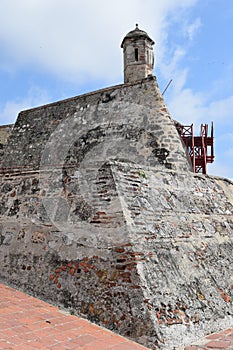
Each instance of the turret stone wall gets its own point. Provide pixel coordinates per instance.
(138, 55)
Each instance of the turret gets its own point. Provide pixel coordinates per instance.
(138, 55)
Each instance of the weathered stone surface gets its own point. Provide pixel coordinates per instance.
(133, 124)
(163, 258)
(100, 213)
(5, 132)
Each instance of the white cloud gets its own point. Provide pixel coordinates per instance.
(219, 168)
(223, 164)
(171, 69)
(10, 110)
(193, 107)
(77, 39)
(193, 28)
(189, 106)
(221, 110)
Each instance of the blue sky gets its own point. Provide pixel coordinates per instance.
(54, 49)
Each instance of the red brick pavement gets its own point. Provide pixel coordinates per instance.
(222, 340)
(27, 323)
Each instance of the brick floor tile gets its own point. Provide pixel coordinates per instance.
(48, 341)
(33, 344)
(84, 340)
(97, 345)
(13, 317)
(28, 323)
(40, 333)
(83, 322)
(25, 346)
(105, 335)
(213, 336)
(57, 319)
(30, 319)
(61, 347)
(90, 326)
(7, 333)
(217, 345)
(122, 346)
(16, 340)
(4, 325)
(226, 331)
(229, 337)
(65, 326)
(28, 336)
(31, 327)
(139, 347)
(70, 334)
(63, 338)
(70, 345)
(5, 345)
(5, 311)
(115, 340)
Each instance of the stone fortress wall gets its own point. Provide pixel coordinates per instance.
(134, 111)
(101, 213)
(5, 131)
(115, 225)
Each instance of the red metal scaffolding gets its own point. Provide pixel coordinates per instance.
(199, 148)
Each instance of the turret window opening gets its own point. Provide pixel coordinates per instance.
(136, 54)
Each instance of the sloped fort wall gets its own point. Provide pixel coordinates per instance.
(101, 214)
(134, 112)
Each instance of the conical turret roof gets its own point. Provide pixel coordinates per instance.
(137, 33)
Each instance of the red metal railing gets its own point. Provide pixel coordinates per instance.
(199, 148)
